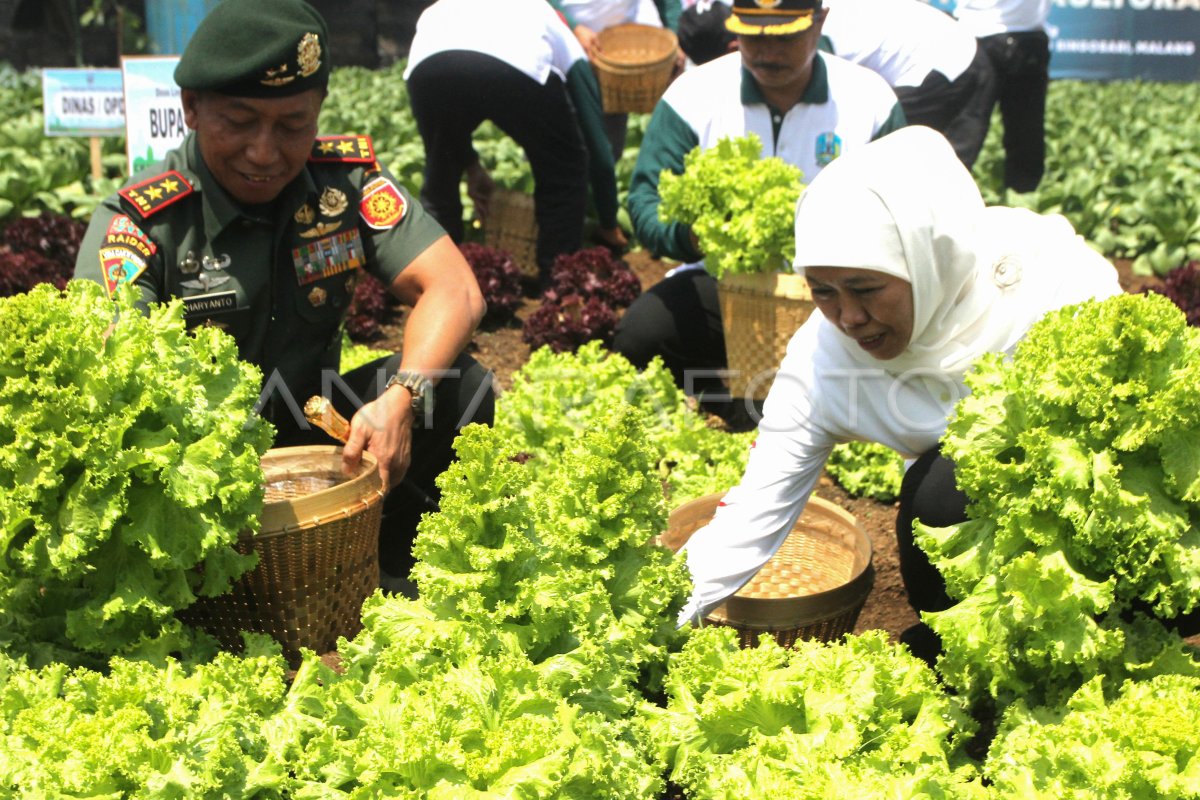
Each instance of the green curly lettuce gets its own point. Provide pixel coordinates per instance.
(556, 397)
(1141, 743)
(740, 205)
(867, 469)
(857, 718)
(130, 460)
(1079, 457)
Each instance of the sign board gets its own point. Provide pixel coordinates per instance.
(83, 102)
(1153, 40)
(153, 109)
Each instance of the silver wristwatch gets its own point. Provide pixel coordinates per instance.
(421, 389)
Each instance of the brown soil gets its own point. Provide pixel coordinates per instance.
(500, 348)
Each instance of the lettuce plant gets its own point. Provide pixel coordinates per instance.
(130, 456)
(1079, 457)
(740, 206)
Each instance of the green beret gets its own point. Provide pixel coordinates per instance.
(257, 48)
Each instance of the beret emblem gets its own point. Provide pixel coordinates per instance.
(308, 55)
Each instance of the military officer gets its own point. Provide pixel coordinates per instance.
(263, 229)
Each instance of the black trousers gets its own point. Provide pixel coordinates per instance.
(679, 319)
(960, 109)
(452, 93)
(463, 395)
(1021, 68)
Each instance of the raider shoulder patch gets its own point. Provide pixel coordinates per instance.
(343, 149)
(150, 197)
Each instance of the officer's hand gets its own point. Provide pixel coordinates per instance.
(384, 428)
(479, 188)
(613, 238)
(589, 39)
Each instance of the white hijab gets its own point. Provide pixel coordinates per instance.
(905, 205)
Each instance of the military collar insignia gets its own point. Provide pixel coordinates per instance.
(343, 149)
(153, 195)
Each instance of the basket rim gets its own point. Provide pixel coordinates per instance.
(613, 35)
(316, 508)
(780, 613)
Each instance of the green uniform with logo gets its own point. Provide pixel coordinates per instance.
(278, 279)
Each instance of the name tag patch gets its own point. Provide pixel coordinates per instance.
(203, 305)
(328, 256)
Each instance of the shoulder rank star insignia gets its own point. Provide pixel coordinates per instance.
(382, 204)
(151, 196)
(343, 149)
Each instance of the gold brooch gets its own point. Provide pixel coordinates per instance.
(333, 202)
(308, 54)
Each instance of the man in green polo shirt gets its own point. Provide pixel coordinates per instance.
(806, 108)
(264, 229)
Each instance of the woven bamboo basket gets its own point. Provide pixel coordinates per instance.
(634, 66)
(318, 551)
(512, 227)
(759, 314)
(812, 588)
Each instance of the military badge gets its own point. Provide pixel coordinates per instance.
(305, 215)
(317, 297)
(308, 54)
(382, 204)
(278, 76)
(122, 231)
(333, 202)
(328, 256)
(829, 147)
(320, 229)
(119, 265)
(210, 274)
(344, 149)
(150, 197)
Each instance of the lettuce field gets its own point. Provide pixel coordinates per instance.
(541, 659)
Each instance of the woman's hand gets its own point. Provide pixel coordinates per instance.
(589, 39)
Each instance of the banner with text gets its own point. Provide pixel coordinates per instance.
(83, 102)
(1154, 40)
(153, 109)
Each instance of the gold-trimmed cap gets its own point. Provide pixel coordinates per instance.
(771, 17)
(257, 48)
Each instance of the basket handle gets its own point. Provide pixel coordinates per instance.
(320, 412)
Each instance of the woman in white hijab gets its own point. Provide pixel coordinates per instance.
(914, 279)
